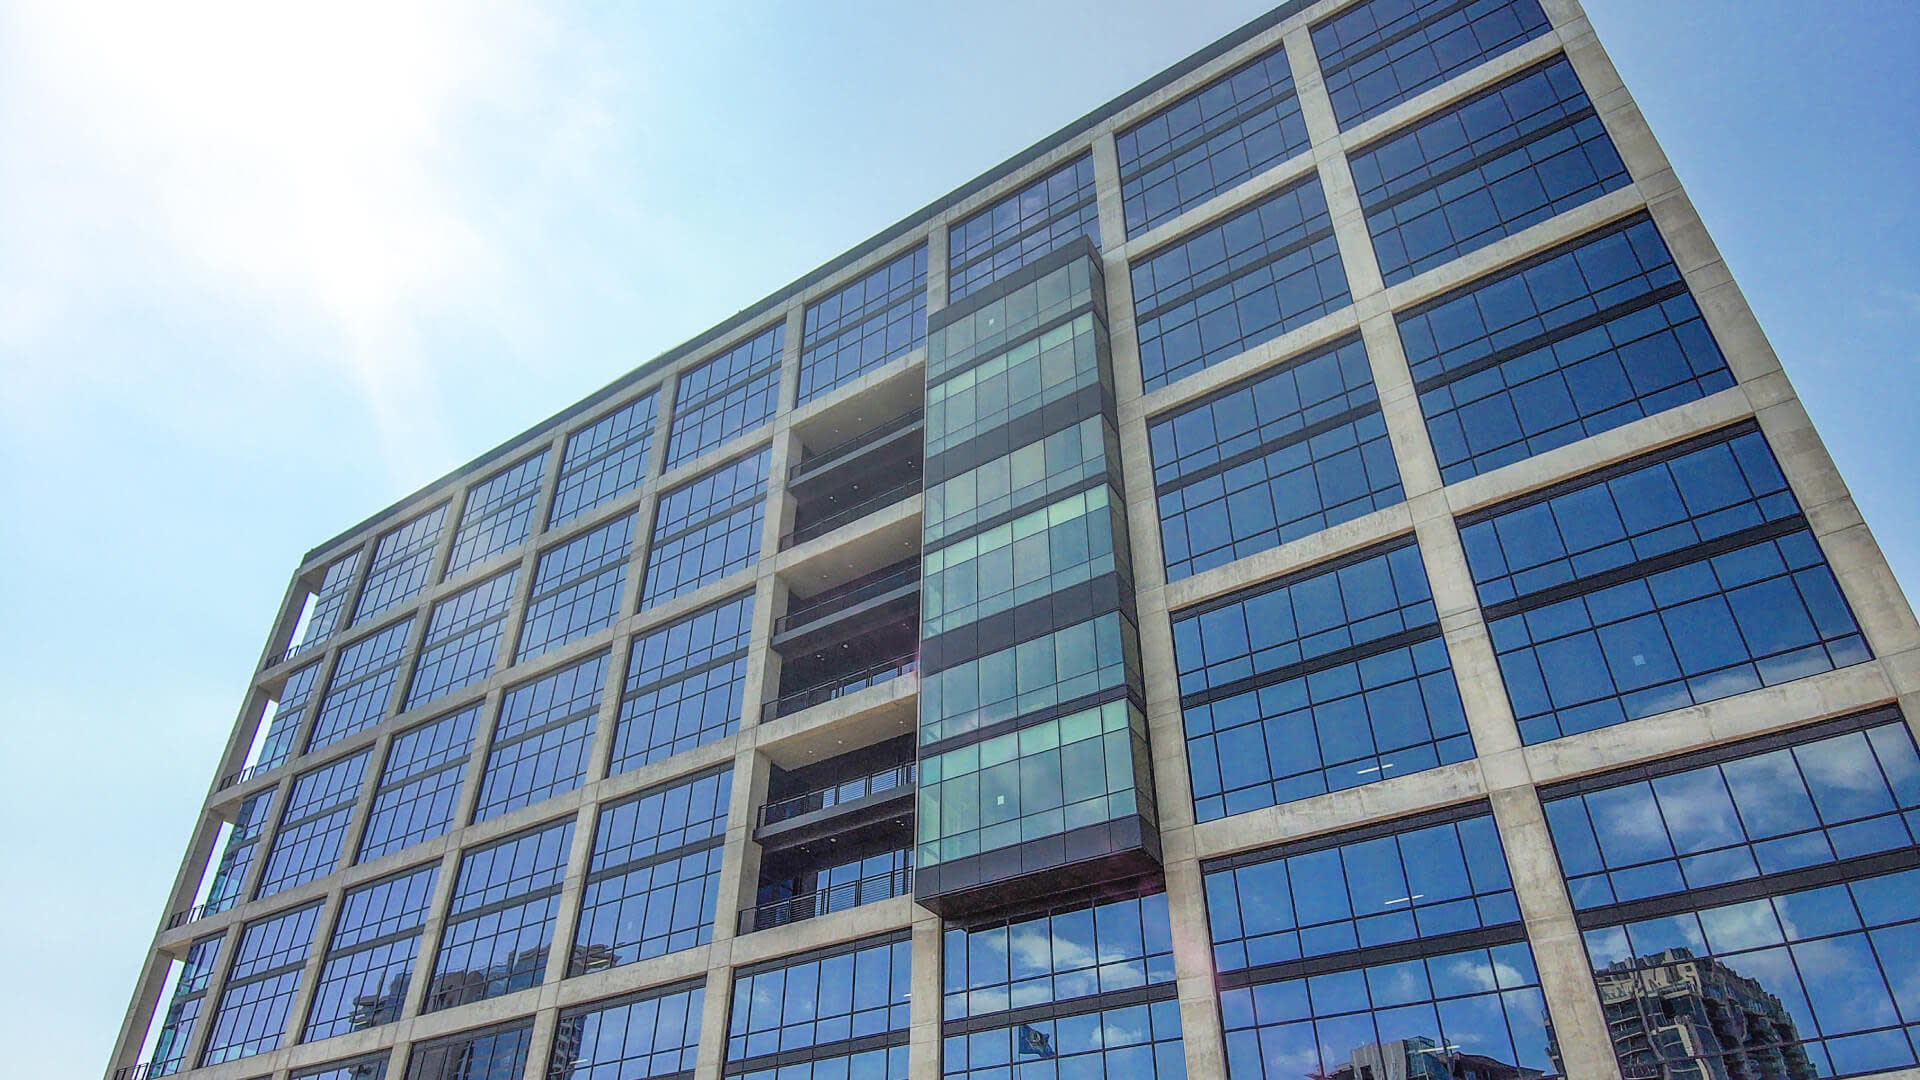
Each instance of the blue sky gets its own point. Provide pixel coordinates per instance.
(262, 274)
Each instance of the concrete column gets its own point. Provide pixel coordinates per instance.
(937, 254)
(712, 1055)
(1202, 1033)
(1106, 190)
(550, 483)
(565, 921)
(323, 928)
(1566, 979)
(430, 931)
(924, 1009)
(476, 773)
(363, 804)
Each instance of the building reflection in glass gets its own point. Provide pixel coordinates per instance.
(1815, 982)
(1687, 1017)
(1422, 1058)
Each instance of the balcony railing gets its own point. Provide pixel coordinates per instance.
(820, 693)
(838, 898)
(846, 791)
(842, 449)
(248, 773)
(885, 497)
(802, 612)
(293, 649)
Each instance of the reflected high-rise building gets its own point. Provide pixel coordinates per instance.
(1423, 1058)
(1676, 1016)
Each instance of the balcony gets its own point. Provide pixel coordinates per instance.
(902, 431)
(838, 686)
(817, 517)
(859, 473)
(891, 782)
(842, 897)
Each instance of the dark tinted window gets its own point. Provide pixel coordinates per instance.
(1280, 456)
(1236, 126)
(683, 684)
(726, 397)
(540, 743)
(1581, 341)
(604, 460)
(1227, 287)
(1378, 54)
(1690, 578)
(1520, 153)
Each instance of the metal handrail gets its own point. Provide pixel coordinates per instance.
(883, 580)
(846, 791)
(865, 438)
(260, 768)
(839, 898)
(878, 500)
(193, 914)
(826, 691)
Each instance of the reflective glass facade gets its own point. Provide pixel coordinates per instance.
(1228, 287)
(1237, 126)
(655, 1034)
(576, 589)
(541, 740)
(420, 784)
(876, 319)
(1527, 149)
(260, 986)
(1330, 680)
(402, 562)
(1389, 951)
(314, 824)
(1015, 231)
(463, 640)
(683, 684)
(1281, 456)
(726, 397)
(362, 685)
(1511, 675)
(604, 460)
(370, 960)
(654, 874)
(1661, 585)
(706, 529)
(1380, 53)
(1575, 342)
(498, 513)
(805, 1013)
(499, 922)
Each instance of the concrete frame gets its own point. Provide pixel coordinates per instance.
(1505, 773)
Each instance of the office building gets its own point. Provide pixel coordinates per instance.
(1312, 570)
